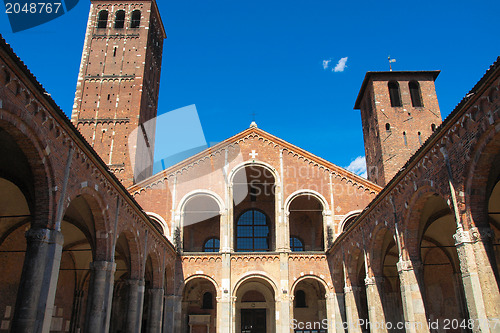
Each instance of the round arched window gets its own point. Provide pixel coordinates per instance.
(252, 232)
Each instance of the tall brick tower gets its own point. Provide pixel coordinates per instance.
(117, 91)
(399, 111)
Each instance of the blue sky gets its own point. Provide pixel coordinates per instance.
(233, 58)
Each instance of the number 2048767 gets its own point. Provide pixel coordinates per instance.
(32, 8)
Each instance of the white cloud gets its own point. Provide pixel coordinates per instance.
(358, 166)
(326, 63)
(340, 65)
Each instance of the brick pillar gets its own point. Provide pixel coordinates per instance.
(100, 298)
(37, 288)
(480, 285)
(374, 288)
(413, 304)
(135, 302)
(155, 310)
(351, 309)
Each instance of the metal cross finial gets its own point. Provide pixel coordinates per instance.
(253, 114)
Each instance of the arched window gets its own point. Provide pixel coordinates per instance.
(300, 299)
(433, 127)
(404, 139)
(420, 137)
(388, 127)
(416, 97)
(136, 19)
(296, 244)
(211, 245)
(252, 232)
(120, 19)
(394, 94)
(102, 19)
(207, 301)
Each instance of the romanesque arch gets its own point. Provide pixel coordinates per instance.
(306, 221)
(199, 304)
(309, 308)
(254, 207)
(255, 305)
(435, 258)
(201, 221)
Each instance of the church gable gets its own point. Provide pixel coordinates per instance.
(292, 170)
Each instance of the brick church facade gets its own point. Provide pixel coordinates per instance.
(254, 234)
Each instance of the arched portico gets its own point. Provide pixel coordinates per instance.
(254, 305)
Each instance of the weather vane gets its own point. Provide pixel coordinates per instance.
(390, 62)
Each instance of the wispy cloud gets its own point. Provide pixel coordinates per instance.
(341, 65)
(358, 166)
(326, 63)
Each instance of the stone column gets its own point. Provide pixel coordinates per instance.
(155, 310)
(480, 286)
(134, 309)
(224, 298)
(100, 298)
(284, 297)
(411, 296)
(335, 309)
(37, 288)
(171, 307)
(351, 309)
(376, 314)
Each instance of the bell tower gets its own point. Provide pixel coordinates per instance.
(399, 111)
(117, 91)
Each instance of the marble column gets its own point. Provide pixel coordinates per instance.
(376, 314)
(481, 289)
(411, 295)
(100, 298)
(37, 288)
(155, 310)
(134, 308)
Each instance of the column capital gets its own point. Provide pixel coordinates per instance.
(473, 235)
(370, 281)
(44, 235)
(408, 265)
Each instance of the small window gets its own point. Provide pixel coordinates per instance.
(394, 94)
(114, 52)
(404, 138)
(211, 245)
(433, 127)
(120, 19)
(416, 97)
(136, 19)
(296, 244)
(388, 127)
(300, 299)
(208, 301)
(420, 138)
(102, 20)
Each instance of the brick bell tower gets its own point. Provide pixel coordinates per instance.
(117, 91)
(399, 111)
